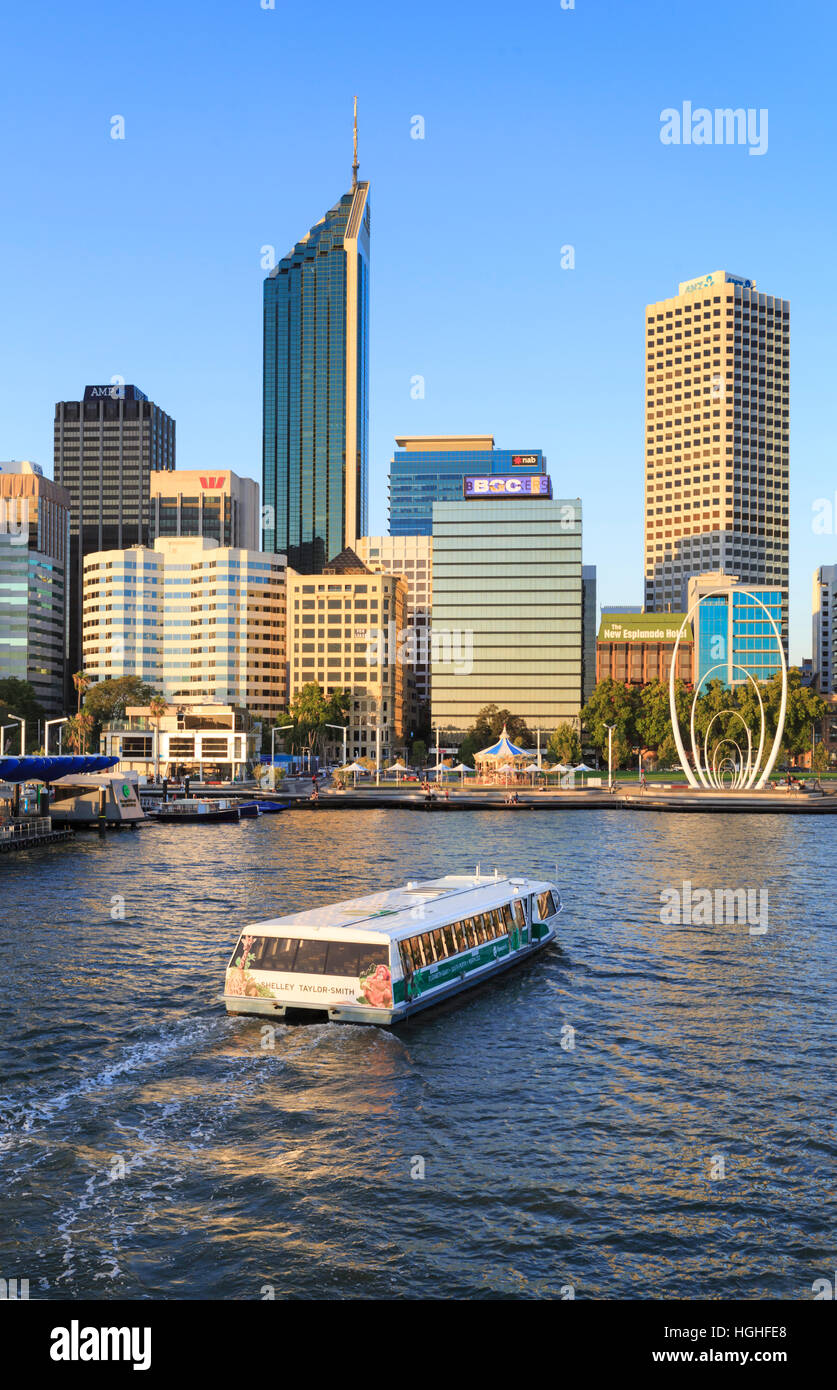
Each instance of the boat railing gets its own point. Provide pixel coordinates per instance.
(26, 829)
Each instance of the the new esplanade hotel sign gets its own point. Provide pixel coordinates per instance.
(637, 630)
(507, 485)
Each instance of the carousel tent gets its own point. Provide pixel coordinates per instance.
(502, 756)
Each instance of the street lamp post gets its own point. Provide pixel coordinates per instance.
(47, 725)
(343, 729)
(3, 728)
(22, 722)
(610, 728)
(277, 728)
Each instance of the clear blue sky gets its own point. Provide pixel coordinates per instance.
(142, 257)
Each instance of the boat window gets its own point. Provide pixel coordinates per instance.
(451, 943)
(342, 958)
(439, 943)
(417, 951)
(471, 932)
(507, 916)
(370, 957)
(486, 926)
(546, 906)
(497, 918)
(519, 912)
(460, 937)
(291, 955)
(310, 958)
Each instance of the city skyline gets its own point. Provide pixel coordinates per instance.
(527, 359)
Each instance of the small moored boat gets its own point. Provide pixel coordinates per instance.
(192, 811)
(384, 957)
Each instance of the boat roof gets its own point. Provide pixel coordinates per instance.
(395, 913)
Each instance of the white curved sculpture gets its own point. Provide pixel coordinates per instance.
(750, 774)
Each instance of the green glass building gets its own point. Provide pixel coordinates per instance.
(507, 610)
(316, 390)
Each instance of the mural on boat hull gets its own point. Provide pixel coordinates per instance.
(376, 988)
(373, 989)
(239, 980)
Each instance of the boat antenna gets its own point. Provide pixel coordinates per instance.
(355, 163)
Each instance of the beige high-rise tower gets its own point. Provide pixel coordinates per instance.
(716, 437)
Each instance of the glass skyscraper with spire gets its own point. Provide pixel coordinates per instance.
(316, 389)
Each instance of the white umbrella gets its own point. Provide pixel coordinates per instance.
(462, 768)
(396, 768)
(582, 768)
(533, 767)
(354, 768)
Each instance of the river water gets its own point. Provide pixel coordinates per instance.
(646, 1111)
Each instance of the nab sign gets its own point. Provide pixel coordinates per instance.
(505, 485)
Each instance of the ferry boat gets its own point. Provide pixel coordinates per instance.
(382, 958)
(193, 811)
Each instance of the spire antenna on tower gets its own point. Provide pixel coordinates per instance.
(355, 164)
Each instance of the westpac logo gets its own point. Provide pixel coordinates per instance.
(77, 1343)
(212, 480)
(723, 126)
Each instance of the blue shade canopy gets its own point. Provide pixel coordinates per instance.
(48, 769)
(504, 748)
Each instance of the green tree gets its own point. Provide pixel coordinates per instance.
(418, 753)
(18, 697)
(611, 703)
(81, 681)
(564, 745)
(819, 759)
(77, 731)
(107, 701)
(489, 725)
(312, 711)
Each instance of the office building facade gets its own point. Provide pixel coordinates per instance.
(507, 611)
(823, 633)
(717, 437)
(213, 503)
(34, 560)
(412, 558)
(191, 618)
(588, 620)
(733, 635)
(316, 389)
(106, 448)
(431, 468)
(343, 630)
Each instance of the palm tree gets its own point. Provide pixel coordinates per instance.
(77, 731)
(157, 705)
(81, 681)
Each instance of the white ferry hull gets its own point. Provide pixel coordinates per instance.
(386, 1018)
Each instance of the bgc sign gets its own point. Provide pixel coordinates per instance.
(503, 485)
